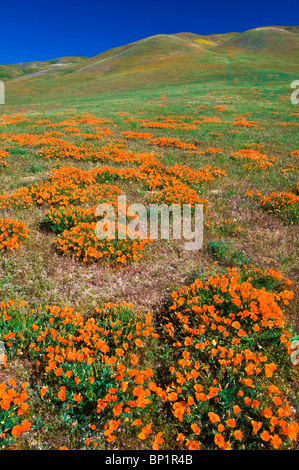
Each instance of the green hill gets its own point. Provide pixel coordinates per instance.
(28, 68)
(273, 40)
(154, 62)
(272, 49)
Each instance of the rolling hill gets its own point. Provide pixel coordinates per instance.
(155, 62)
(271, 40)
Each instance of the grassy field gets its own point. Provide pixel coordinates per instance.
(73, 312)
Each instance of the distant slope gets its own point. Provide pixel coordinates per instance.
(207, 40)
(268, 48)
(273, 40)
(27, 68)
(154, 62)
(151, 49)
(292, 29)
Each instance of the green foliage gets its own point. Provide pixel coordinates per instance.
(58, 220)
(34, 168)
(226, 253)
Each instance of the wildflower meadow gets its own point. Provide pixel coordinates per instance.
(122, 343)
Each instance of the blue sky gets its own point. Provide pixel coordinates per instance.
(49, 29)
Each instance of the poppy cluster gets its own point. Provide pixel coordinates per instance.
(283, 203)
(94, 371)
(257, 160)
(223, 391)
(12, 234)
(225, 344)
(13, 407)
(3, 158)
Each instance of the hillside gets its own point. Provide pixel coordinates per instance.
(29, 68)
(155, 62)
(273, 40)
